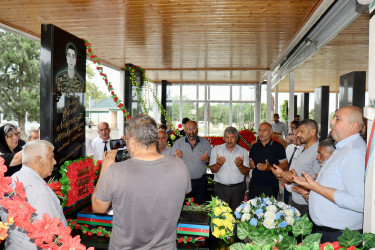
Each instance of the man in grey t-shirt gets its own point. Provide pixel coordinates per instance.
(306, 161)
(146, 192)
(195, 152)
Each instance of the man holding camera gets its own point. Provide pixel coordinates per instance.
(101, 144)
(146, 191)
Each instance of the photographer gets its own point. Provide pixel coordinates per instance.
(146, 192)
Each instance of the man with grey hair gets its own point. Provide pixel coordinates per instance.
(101, 144)
(230, 164)
(146, 192)
(33, 134)
(325, 150)
(37, 163)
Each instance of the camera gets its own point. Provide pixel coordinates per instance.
(122, 153)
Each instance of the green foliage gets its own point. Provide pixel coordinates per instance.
(92, 90)
(288, 243)
(284, 111)
(350, 238)
(302, 226)
(311, 239)
(19, 78)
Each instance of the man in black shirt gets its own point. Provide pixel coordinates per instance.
(263, 155)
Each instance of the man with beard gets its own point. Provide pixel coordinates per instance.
(305, 161)
(325, 150)
(337, 195)
(230, 164)
(263, 155)
(194, 151)
(146, 192)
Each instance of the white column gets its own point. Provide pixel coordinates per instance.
(269, 96)
(369, 216)
(155, 105)
(257, 106)
(206, 97)
(230, 106)
(291, 98)
(181, 102)
(276, 110)
(120, 115)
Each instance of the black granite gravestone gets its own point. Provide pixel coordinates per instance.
(62, 92)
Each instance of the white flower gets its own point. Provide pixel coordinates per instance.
(270, 215)
(285, 207)
(289, 212)
(246, 209)
(268, 202)
(289, 220)
(238, 209)
(298, 214)
(271, 208)
(269, 223)
(245, 217)
(280, 204)
(253, 202)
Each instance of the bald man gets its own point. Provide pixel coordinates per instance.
(337, 195)
(263, 155)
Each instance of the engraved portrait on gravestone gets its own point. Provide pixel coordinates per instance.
(68, 81)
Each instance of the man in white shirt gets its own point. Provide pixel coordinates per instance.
(101, 143)
(230, 164)
(37, 163)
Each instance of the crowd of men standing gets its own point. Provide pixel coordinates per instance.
(322, 179)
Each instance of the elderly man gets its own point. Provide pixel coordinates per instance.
(162, 143)
(194, 151)
(146, 192)
(33, 134)
(37, 164)
(263, 155)
(337, 195)
(230, 164)
(305, 161)
(101, 144)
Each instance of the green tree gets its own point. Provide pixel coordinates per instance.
(284, 111)
(19, 78)
(92, 90)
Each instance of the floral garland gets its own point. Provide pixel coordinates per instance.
(47, 232)
(99, 231)
(188, 239)
(190, 205)
(222, 219)
(95, 59)
(76, 175)
(132, 70)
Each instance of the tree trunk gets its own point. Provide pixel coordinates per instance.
(21, 124)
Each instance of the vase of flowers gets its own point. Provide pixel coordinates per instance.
(222, 219)
(265, 218)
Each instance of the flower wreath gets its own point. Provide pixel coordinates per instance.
(48, 233)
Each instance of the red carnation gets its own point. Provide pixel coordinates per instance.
(179, 126)
(99, 234)
(110, 85)
(112, 93)
(115, 99)
(89, 233)
(180, 240)
(192, 199)
(120, 105)
(187, 203)
(189, 239)
(196, 204)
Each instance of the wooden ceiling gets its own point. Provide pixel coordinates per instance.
(198, 41)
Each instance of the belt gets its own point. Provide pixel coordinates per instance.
(327, 229)
(230, 185)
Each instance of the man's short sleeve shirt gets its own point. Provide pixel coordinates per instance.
(274, 152)
(229, 172)
(192, 155)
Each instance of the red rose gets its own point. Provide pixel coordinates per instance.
(189, 239)
(192, 199)
(110, 85)
(180, 240)
(196, 204)
(187, 203)
(89, 233)
(120, 105)
(179, 126)
(115, 99)
(99, 234)
(112, 93)
(87, 226)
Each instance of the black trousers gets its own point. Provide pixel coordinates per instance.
(199, 190)
(233, 195)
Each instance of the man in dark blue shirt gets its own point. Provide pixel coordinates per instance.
(263, 155)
